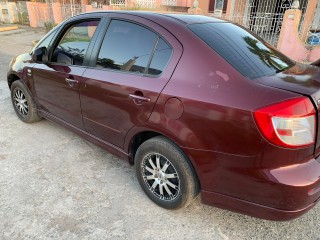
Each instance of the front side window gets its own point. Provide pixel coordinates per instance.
(45, 41)
(73, 46)
(126, 47)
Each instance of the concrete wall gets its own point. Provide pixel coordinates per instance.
(309, 17)
(290, 42)
(39, 13)
(8, 12)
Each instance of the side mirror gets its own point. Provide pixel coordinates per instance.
(40, 55)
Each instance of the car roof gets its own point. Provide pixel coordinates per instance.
(157, 16)
(192, 18)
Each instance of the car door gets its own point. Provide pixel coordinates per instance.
(57, 81)
(131, 65)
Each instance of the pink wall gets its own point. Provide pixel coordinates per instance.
(290, 43)
(158, 3)
(38, 13)
(107, 8)
(57, 15)
(184, 3)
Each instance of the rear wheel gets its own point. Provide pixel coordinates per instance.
(165, 174)
(23, 103)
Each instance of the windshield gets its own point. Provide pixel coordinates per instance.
(247, 53)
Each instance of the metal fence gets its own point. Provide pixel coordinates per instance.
(70, 10)
(120, 3)
(146, 3)
(263, 17)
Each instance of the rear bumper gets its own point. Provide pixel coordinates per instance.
(252, 209)
(279, 194)
(238, 183)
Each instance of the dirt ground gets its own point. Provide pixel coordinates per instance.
(55, 185)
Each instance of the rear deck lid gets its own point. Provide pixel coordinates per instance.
(302, 79)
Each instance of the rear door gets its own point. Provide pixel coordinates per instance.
(131, 65)
(57, 82)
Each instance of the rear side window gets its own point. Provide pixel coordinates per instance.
(160, 58)
(247, 53)
(126, 47)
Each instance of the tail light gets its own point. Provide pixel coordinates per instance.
(291, 123)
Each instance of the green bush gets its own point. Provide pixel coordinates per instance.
(23, 18)
(49, 25)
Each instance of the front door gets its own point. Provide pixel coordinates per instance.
(57, 82)
(121, 88)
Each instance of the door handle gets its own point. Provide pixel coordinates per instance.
(138, 99)
(71, 82)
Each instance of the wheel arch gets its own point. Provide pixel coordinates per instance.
(145, 134)
(137, 139)
(12, 77)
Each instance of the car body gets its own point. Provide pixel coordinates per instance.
(203, 98)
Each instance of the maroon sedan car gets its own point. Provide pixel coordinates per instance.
(195, 103)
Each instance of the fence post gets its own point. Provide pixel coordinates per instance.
(312, 5)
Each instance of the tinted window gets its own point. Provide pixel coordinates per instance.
(249, 54)
(74, 44)
(45, 41)
(126, 47)
(160, 58)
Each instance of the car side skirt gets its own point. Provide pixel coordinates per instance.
(87, 136)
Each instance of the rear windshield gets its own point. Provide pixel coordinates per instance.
(247, 53)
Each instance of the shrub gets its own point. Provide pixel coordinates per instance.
(49, 25)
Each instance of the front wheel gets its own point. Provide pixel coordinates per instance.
(23, 103)
(165, 174)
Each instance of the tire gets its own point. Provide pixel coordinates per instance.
(23, 103)
(176, 177)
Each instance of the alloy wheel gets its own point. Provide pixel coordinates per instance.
(160, 176)
(21, 102)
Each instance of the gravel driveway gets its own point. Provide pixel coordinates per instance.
(55, 185)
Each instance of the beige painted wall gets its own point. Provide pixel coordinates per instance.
(12, 14)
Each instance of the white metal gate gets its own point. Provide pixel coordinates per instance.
(263, 17)
(146, 3)
(169, 2)
(70, 10)
(120, 3)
